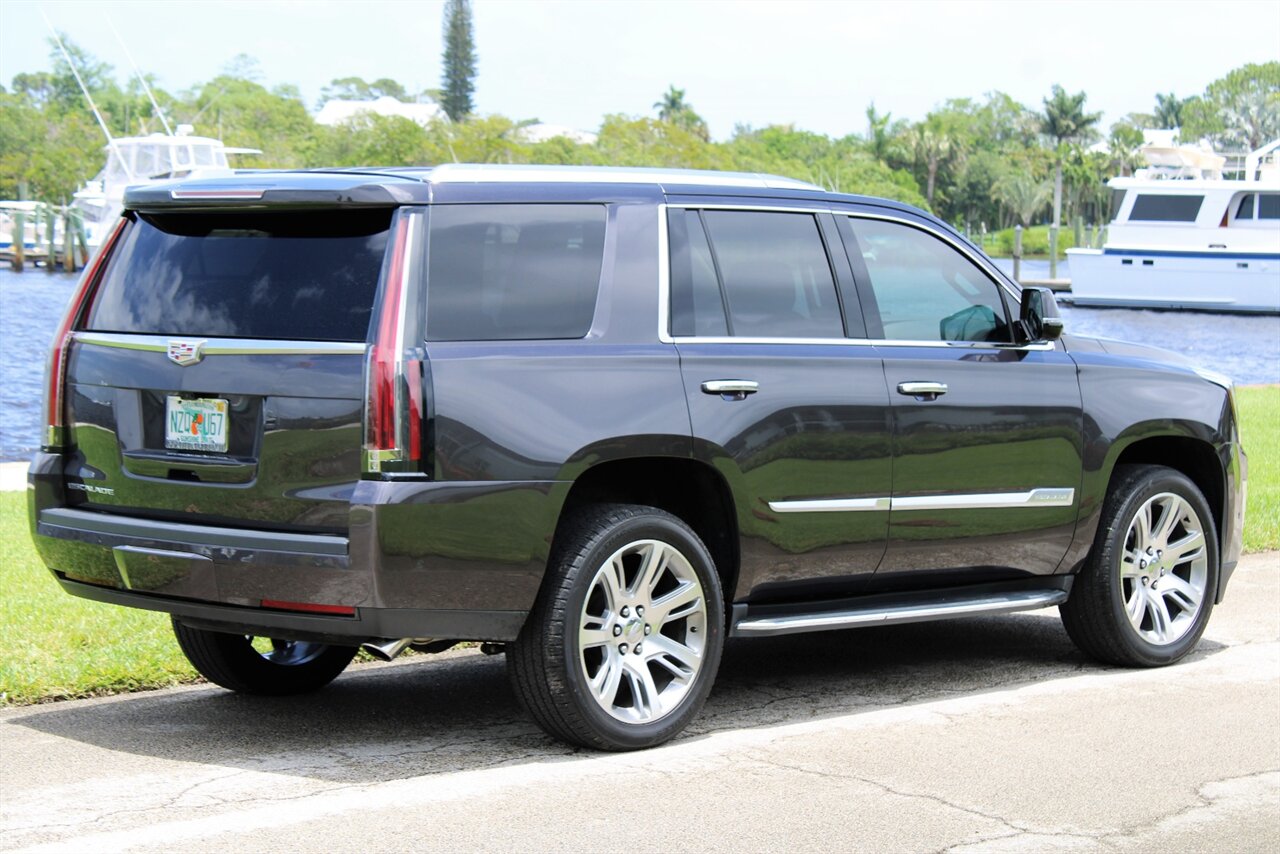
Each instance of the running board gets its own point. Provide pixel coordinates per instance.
(891, 608)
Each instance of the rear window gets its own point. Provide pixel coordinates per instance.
(292, 276)
(513, 272)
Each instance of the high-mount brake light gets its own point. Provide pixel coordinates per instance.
(56, 367)
(393, 437)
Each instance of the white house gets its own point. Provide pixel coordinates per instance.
(339, 110)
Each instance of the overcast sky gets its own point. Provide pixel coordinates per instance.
(814, 64)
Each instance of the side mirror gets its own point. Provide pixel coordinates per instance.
(1039, 315)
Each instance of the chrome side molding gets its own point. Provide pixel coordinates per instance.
(1042, 497)
(830, 505)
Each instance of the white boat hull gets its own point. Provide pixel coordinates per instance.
(1138, 278)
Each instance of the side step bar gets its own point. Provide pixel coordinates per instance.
(888, 609)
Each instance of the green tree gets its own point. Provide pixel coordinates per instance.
(1124, 142)
(358, 89)
(1168, 112)
(1240, 111)
(882, 134)
(459, 60)
(244, 113)
(48, 153)
(932, 144)
(1023, 195)
(1066, 123)
(673, 108)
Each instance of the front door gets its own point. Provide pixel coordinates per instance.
(986, 432)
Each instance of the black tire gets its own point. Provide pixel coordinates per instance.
(551, 672)
(1095, 615)
(231, 661)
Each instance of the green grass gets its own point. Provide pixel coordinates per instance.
(57, 646)
(1035, 242)
(1260, 434)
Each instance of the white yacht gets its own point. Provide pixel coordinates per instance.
(135, 160)
(1186, 236)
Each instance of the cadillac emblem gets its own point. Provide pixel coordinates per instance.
(185, 352)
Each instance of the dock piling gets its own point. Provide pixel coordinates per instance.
(1017, 253)
(19, 242)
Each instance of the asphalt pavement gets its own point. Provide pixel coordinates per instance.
(985, 734)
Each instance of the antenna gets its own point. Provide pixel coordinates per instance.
(137, 73)
(111, 141)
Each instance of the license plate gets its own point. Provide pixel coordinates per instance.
(195, 424)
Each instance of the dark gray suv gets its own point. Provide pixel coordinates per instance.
(602, 419)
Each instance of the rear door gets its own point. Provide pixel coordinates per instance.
(783, 403)
(219, 371)
(986, 432)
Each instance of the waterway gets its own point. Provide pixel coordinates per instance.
(1246, 348)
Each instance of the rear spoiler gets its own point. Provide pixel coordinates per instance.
(283, 190)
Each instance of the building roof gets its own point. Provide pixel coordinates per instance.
(339, 110)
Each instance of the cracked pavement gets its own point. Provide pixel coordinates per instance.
(985, 734)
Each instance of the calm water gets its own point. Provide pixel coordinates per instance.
(31, 303)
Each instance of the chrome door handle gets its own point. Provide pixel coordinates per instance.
(928, 391)
(731, 389)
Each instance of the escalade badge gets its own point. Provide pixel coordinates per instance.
(185, 352)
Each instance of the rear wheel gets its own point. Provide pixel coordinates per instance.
(623, 644)
(261, 665)
(1144, 596)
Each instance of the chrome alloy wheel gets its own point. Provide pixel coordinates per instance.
(642, 631)
(1164, 569)
(286, 653)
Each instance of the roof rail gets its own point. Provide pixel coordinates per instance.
(466, 173)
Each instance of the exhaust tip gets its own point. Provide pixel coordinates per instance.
(386, 650)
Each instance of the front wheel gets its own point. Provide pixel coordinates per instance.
(1145, 593)
(621, 648)
(261, 665)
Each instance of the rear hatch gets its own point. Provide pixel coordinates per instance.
(218, 371)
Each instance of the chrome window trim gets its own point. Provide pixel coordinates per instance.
(664, 285)
(1034, 347)
(221, 346)
(1046, 496)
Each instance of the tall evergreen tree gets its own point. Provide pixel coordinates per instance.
(459, 60)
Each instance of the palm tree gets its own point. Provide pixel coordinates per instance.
(671, 105)
(1023, 195)
(1065, 122)
(673, 108)
(879, 133)
(1169, 111)
(931, 145)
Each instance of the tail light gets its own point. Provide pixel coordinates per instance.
(56, 367)
(395, 407)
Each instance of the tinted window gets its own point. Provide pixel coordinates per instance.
(513, 271)
(696, 304)
(1269, 206)
(777, 280)
(292, 276)
(1166, 208)
(926, 290)
(1245, 211)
